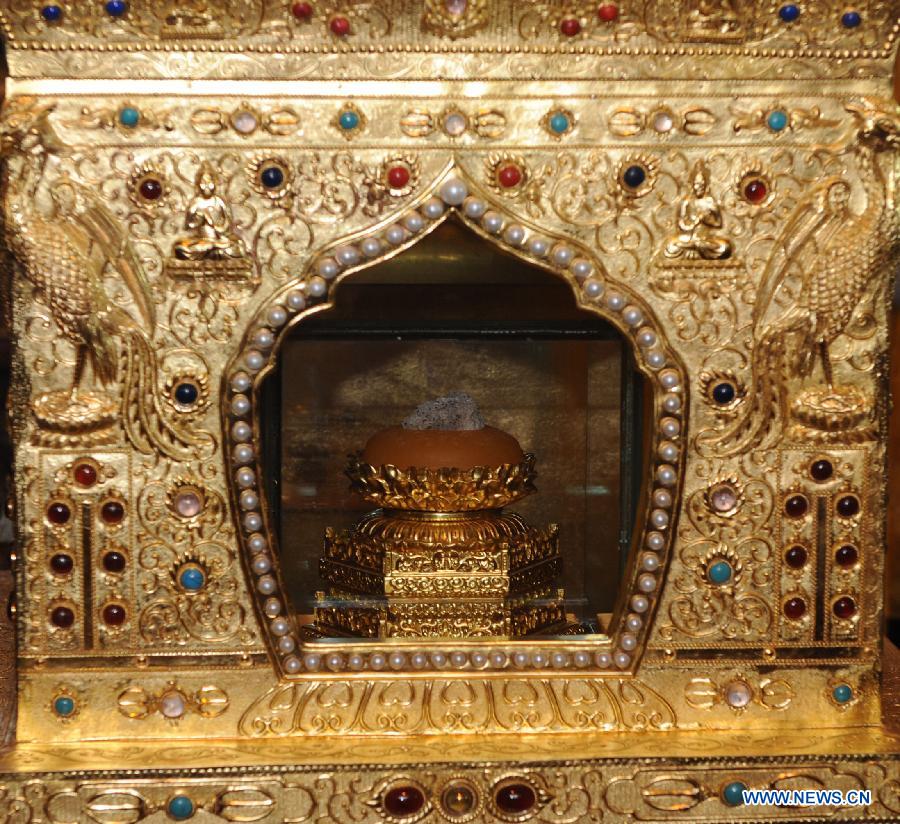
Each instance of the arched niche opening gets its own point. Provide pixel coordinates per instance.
(455, 313)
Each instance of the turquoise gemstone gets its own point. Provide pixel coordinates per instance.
(559, 123)
(180, 807)
(64, 705)
(778, 120)
(842, 693)
(720, 572)
(733, 793)
(192, 578)
(349, 120)
(129, 116)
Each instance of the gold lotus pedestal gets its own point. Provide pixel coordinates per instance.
(441, 558)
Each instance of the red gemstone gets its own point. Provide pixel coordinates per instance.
(398, 177)
(509, 176)
(844, 607)
(796, 557)
(821, 470)
(846, 556)
(514, 798)
(796, 506)
(570, 27)
(302, 11)
(112, 512)
(61, 563)
(58, 513)
(403, 801)
(755, 191)
(848, 506)
(85, 474)
(150, 189)
(62, 617)
(114, 562)
(608, 12)
(114, 615)
(340, 26)
(795, 608)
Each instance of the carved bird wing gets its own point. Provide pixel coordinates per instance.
(104, 229)
(796, 253)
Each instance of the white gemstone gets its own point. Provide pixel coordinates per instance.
(397, 660)
(498, 659)
(454, 192)
(245, 122)
(346, 255)
(272, 608)
(666, 475)
(242, 454)
(647, 583)
(317, 286)
(581, 658)
(371, 247)
(492, 222)
(254, 361)
(335, 662)
(650, 562)
(514, 235)
(377, 661)
(656, 541)
(646, 337)
(257, 542)
(582, 268)
(628, 641)
(723, 498)
(240, 405)
(668, 451)
(659, 518)
(252, 521)
(622, 659)
(474, 208)
(615, 301)
(438, 659)
(328, 267)
(603, 659)
(455, 124)
(662, 498)
(458, 659)
(478, 659)
(292, 665)
(296, 300)
(593, 288)
(172, 705)
(286, 644)
(670, 427)
(562, 255)
(355, 661)
(634, 622)
(456, 7)
(280, 627)
(738, 694)
(559, 660)
(668, 379)
(419, 660)
(249, 500)
(266, 585)
(245, 477)
(395, 234)
(632, 316)
(520, 659)
(540, 659)
(656, 359)
(312, 661)
(188, 504)
(414, 222)
(539, 246)
(663, 122)
(277, 316)
(261, 565)
(241, 431)
(433, 208)
(671, 403)
(639, 603)
(240, 382)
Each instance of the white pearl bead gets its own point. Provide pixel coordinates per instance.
(317, 286)
(253, 521)
(261, 564)
(656, 541)
(415, 223)
(668, 451)
(474, 208)
(240, 405)
(650, 562)
(646, 583)
(498, 659)
(656, 359)
(240, 382)
(458, 659)
(346, 256)
(662, 498)
(603, 659)
(419, 660)
(520, 659)
(254, 361)
(395, 234)
(312, 661)
(492, 222)
(478, 659)
(242, 454)
(335, 662)
(292, 665)
(622, 659)
(582, 268)
(559, 660)
(371, 247)
(286, 644)
(272, 607)
(668, 379)
(266, 585)
(249, 500)
(628, 641)
(539, 246)
(377, 661)
(615, 301)
(671, 403)
(241, 431)
(397, 660)
(646, 337)
(438, 659)
(659, 518)
(514, 235)
(277, 316)
(632, 316)
(328, 267)
(263, 338)
(581, 658)
(639, 603)
(670, 427)
(280, 627)
(355, 661)
(663, 122)
(666, 475)
(634, 622)
(593, 288)
(172, 705)
(454, 192)
(562, 255)
(738, 694)
(433, 208)
(540, 659)
(257, 542)
(296, 300)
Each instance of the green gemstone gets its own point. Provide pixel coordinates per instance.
(733, 793)
(720, 572)
(129, 117)
(64, 706)
(180, 807)
(842, 693)
(559, 123)
(778, 120)
(349, 120)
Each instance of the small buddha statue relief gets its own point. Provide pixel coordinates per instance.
(699, 223)
(209, 218)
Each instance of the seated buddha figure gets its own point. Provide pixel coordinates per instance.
(209, 218)
(699, 222)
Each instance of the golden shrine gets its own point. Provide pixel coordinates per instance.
(655, 242)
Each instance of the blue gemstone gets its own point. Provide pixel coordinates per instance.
(723, 393)
(51, 14)
(349, 120)
(634, 176)
(777, 120)
(116, 8)
(733, 793)
(129, 117)
(559, 123)
(64, 705)
(842, 693)
(851, 19)
(789, 13)
(720, 572)
(272, 177)
(191, 578)
(180, 807)
(186, 393)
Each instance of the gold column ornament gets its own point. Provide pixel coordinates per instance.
(185, 184)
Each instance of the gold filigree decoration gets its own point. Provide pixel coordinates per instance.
(172, 702)
(795, 119)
